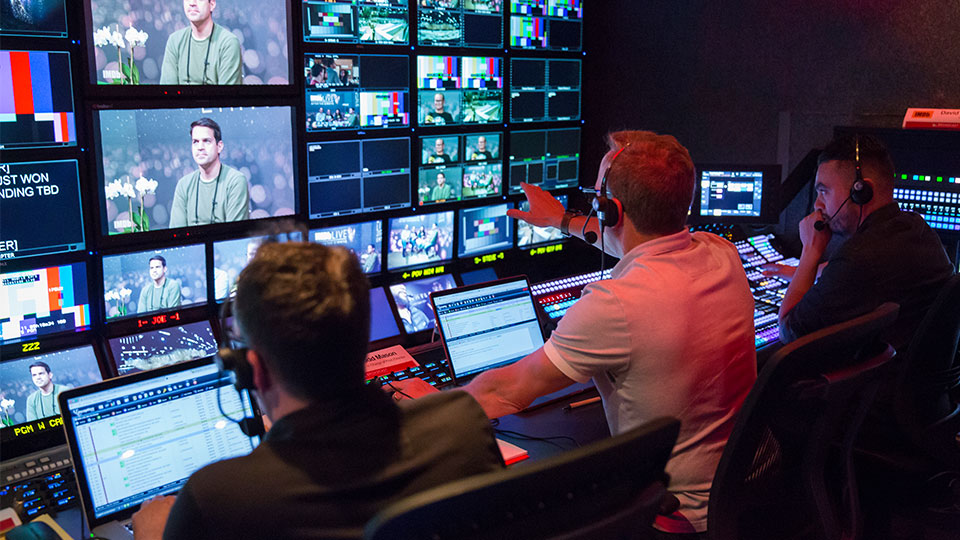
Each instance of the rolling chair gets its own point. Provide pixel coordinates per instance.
(772, 480)
(611, 489)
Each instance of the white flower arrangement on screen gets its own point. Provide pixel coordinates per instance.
(139, 221)
(120, 296)
(127, 72)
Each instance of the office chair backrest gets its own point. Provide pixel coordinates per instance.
(609, 489)
(812, 392)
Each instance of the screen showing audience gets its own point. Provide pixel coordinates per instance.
(354, 91)
(40, 188)
(356, 21)
(731, 193)
(382, 323)
(547, 158)
(42, 19)
(455, 167)
(153, 281)
(362, 239)
(36, 107)
(420, 240)
(459, 90)
(530, 235)
(162, 347)
(139, 42)
(43, 302)
(350, 177)
(546, 24)
(231, 256)
(173, 168)
(543, 90)
(29, 386)
(484, 229)
(452, 23)
(413, 301)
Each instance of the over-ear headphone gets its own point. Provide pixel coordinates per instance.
(609, 209)
(233, 361)
(860, 192)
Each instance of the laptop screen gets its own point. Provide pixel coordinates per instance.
(488, 325)
(146, 435)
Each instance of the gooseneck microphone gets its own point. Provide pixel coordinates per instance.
(821, 224)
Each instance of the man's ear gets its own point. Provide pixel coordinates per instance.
(262, 379)
(220, 146)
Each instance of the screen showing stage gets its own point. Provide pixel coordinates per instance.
(36, 100)
(549, 158)
(231, 256)
(484, 229)
(40, 188)
(455, 167)
(362, 239)
(450, 23)
(174, 168)
(459, 90)
(43, 302)
(351, 91)
(43, 19)
(154, 280)
(544, 90)
(731, 193)
(163, 347)
(350, 177)
(356, 21)
(529, 235)
(413, 301)
(141, 42)
(546, 24)
(420, 240)
(29, 386)
(382, 323)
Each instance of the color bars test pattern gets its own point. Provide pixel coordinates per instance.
(36, 99)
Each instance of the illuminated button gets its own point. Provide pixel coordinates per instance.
(45, 459)
(30, 464)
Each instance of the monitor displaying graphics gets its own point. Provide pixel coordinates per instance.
(144, 42)
(549, 158)
(382, 323)
(44, 301)
(420, 240)
(362, 239)
(350, 177)
(459, 90)
(529, 235)
(543, 90)
(455, 167)
(162, 347)
(546, 24)
(42, 19)
(154, 280)
(736, 193)
(484, 229)
(413, 301)
(231, 256)
(356, 91)
(36, 100)
(30, 386)
(40, 189)
(470, 23)
(356, 21)
(173, 168)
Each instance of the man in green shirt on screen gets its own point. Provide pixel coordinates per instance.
(43, 402)
(442, 191)
(161, 292)
(203, 52)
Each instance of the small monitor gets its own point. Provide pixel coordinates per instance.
(154, 281)
(383, 325)
(459, 90)
(548, 158)
(363, 239)
(383, 22)
(162, 347)
(39, 19)
(455, 167)
(37, 108)
(472, 23)
(413, 301)
(231, 256)
(736, 194)
(356, 91)
(553, 25)
(40, 188)
(43, 302)
(420, 240)
(544, 89)
(480, 275)
(484, 229)
(530, 235)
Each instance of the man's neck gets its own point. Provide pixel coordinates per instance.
(211, 171)
(47, 390)
(632, 238)
(159, 282)
(202, 29)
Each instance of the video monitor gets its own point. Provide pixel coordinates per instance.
(30, 386)
(459, 90)
(546, 24)
(162, 347)
(155, 280)
(530, 235)
(148, 42)
(549, 158)
(439, 184)
(484, 229)
(413, 301)
(383, 325)
(356, 21)
(36, 107)
(231, 256)
(354, 91)
(40, 188)
(420, 240)
(736, 194)
(43, 302)
(456, 23)
(350, 177)
(455, 167)
(173, 168)
(363, 239)
(480, 275)
(40, 19)
(544, 89)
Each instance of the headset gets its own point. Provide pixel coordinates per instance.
(232, 361)
(861, 192)
(609, 209)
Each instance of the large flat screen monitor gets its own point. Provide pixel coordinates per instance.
(383, 325)
(363, 239)
(350, 177)
(420, 240)
(549, 158)
(455, 167)
(162, 347)
(43, 301)
(383, 22)
(231, 256)
(356, 91)
(26, 18)
(546, 24)
(484, 229)
(36, 100)
(544, 89)
(530, 235)
(49, 189)
(154, 281)
(450, 23)
(459, 90)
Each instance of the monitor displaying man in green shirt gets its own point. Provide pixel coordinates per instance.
(43, 402)
(215, 192)
(161, 292)
(442, 191)
(203, 52)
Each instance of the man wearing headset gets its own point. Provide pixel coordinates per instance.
(887, 255)
(203, 52)
(338, 450)
(215, 192)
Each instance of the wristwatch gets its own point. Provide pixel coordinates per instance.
(565, 221)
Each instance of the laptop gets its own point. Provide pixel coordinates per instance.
(134, 437)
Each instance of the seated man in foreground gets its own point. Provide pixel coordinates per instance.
(338, 450)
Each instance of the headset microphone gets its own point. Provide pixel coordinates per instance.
(233, 362)
(821, 224)
(590, 237)
(860, 193)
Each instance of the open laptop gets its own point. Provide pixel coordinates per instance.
(142, 435)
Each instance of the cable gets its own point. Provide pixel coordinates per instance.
(399, 391)
(548, 440)
(220, 378)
